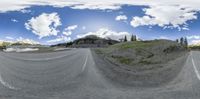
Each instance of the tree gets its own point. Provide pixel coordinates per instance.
(177, 40)
(185, 42)
(125, 39)
(133, 38)
(182, 41)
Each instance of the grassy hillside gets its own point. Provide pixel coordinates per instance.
(195, 47)
(142, 52)
(142, 63)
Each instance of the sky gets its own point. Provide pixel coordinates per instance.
(57, 21)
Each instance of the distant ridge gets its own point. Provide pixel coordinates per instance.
(89, 41)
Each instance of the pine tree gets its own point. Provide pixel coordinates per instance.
(182, 41)
(132, 38)
(185, 42)
(177, 40)
(135, 38)
(125, 39)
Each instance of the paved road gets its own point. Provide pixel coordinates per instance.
(73, 74)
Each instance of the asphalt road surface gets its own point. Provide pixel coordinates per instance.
(72, 74)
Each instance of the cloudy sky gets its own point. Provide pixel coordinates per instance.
(56, 21)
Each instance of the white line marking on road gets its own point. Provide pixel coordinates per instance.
(195, 69)
(84, 65)
(6, 84)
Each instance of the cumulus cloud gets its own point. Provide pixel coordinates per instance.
(166, 17)
(121, 18)
(106, 33)
(195, 42)
(44, 25)
(83, 27)
(25, 40)
(68, 31)
(59, 39)
(164, 13)
(20, 40)
(164, 37)
(72, 27)
(25, 11)
(10, 38)
(193, 37)
(17, 5)
(14, 20)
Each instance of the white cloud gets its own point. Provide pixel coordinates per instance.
(193, 37)
(14, 20)
(106, 33)
(164, 13)
(10, 38)
(16, 5)
(44, 25)
(68, 31)
(121, 18)
(83, 27)
(72, 27)
(25, 11)
(59, 39)
(164, 37)
(166, 17)
(195, 42)
(65, 35)
(25, 40)
(20, 40)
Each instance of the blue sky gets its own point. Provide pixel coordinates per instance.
(50, 24)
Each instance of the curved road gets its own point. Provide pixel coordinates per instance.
(73, 74)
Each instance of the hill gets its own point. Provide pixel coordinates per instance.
(88, 42)
(143, 52)
(196, 47)
(147, 62)
(4, 44)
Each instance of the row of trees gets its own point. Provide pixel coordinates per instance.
(133, 38)
(183, 41)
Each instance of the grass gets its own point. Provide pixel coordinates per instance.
(194, 47)
(123, 60)
(98, 51)
(135, 44)
(144, 52)
(145, 62)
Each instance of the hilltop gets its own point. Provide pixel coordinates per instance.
(90, 41)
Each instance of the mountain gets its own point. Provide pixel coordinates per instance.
(5, 43)
(14, 43)
(88, 42)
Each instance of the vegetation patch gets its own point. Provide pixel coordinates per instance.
(122, 60)
(141, 53)
(136, 44)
